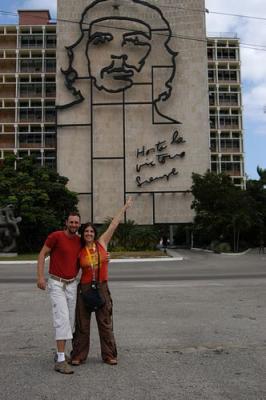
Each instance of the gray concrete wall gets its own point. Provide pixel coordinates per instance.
(98, 151)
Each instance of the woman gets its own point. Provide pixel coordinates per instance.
(93, 261)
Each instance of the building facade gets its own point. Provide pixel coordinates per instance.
(191, 133)
(133, 114)
(28, 88)
(225, 104)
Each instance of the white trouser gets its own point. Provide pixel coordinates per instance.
(63, 298)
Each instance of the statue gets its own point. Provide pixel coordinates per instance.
(9, 230)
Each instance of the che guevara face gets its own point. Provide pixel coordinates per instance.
(116, 52)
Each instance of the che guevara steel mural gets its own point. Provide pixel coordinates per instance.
(118, 39)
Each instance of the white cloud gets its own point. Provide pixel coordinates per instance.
(254, 102)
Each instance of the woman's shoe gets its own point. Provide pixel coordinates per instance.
(75, 362)
(110, 361)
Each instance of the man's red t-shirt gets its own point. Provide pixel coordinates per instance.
(64, 254)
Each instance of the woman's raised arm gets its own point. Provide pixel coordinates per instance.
(107, 235)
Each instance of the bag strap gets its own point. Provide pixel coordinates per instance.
(90, 258)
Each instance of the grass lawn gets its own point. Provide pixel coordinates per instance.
(20, 257)
(137, 254)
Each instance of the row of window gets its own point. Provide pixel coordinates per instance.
(46, 158)
(49, 139)
(227, 122)
(223, 75)
(224, 89)
(222, 54)
(229, 99)
(29, 41)
(37, 65)
(28, 140)
(233, 145)
(36, 129)
(37, 90)
(228, 167)
(35, 114)
(226, 135)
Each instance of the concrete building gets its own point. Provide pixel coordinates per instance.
(27, 87)
(225, 102)
(114, 140)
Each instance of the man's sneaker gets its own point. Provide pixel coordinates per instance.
(67, 358)
(63, 367)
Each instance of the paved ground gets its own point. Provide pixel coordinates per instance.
(177, 339)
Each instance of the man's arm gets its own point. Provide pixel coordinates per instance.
(41, 282)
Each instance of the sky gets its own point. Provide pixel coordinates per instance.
(252, 35)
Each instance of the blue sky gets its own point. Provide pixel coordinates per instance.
(251, 31)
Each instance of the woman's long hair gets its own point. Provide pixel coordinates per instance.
(82, 230)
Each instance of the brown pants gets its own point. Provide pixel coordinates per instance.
(81, 337)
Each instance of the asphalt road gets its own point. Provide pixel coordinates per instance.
(195, 265)
(181, 339)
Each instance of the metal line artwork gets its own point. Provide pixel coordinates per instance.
(118, 75)
(157, 152)
(117, 45)
(9, 230)
(173, 172)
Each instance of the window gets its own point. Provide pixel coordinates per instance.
(225, 158)
(30, 139)
(225, 135)
(226, 53)
(50, 41)
(230, 145)
(225, 75)
(212, 99)
(213, 123)
(49, 140)
(211, 75)
(210, 53)
(50, 65)
(50, 114)
(229, 122)
(30, 114)
(49, 128)
(28, 41)
(50, 163)
(230, 99)
(30, 89)
(50, 90)
(214, 145)
(50, 158)
(31, 65)
(23, 129)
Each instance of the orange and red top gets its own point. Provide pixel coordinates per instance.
(94, 263)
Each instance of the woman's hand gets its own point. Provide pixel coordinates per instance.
(107, 235)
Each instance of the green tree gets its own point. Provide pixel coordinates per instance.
(257, 190)
(130, 236)
(223, 211)
(39, 196)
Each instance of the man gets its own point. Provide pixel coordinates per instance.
(119, 41)
(63, 247)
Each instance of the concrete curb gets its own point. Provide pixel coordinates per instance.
(116, 260)
(226, 254)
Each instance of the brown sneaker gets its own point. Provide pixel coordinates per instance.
(63, 368)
